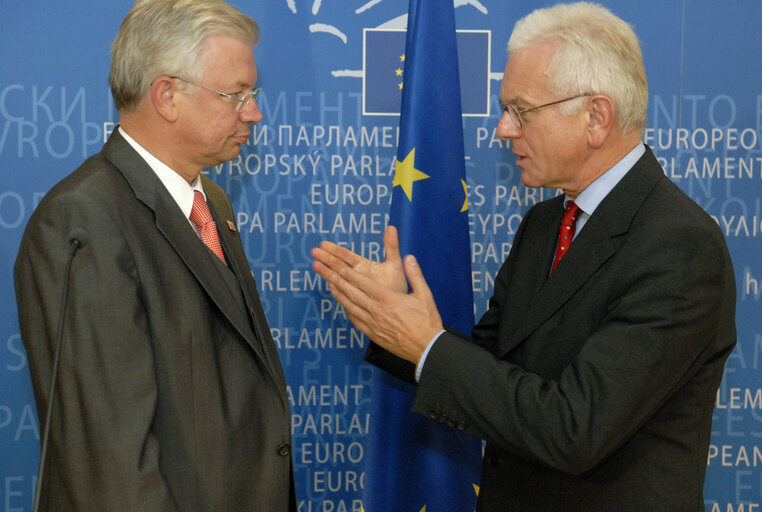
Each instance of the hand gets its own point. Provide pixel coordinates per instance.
(401, 323)
(332, 258)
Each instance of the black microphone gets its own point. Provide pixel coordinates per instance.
(77, 240)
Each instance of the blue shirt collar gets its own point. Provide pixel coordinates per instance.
(589, 199)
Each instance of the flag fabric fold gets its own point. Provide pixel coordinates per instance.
(413, 463)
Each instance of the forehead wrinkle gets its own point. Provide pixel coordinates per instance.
(530, 74)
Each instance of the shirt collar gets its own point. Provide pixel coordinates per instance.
(589, 199)
(175, 184)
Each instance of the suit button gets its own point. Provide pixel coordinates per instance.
(284, 449)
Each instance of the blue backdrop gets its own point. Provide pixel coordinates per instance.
(320, 166)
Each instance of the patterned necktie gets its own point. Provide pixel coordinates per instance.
(201, 217)
(565, 236)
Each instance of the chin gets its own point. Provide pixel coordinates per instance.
(527, 180)
(231, 153)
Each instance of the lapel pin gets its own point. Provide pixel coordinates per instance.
(231, 226)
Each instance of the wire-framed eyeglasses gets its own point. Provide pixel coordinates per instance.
(515, 114)
(243, 101)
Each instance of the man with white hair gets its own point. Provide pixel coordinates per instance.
(170, 396)
(593, 373)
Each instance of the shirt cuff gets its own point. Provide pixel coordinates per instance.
(419, 367)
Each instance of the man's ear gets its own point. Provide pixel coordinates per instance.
(602, 119)
(162, 95)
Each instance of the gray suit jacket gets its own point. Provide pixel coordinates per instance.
(594, 387)
(170, 395)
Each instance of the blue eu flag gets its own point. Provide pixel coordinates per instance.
(413, 462)
(383, 63)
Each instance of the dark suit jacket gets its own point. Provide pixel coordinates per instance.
(594, 387)
(170, 395)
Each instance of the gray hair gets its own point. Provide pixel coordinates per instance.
(598, 53)
(165, 37)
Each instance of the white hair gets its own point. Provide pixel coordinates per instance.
(598, 53)
(166, 37)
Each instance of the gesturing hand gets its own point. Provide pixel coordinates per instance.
(331, 258)
(376, 301)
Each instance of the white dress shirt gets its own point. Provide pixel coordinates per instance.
(178, 188)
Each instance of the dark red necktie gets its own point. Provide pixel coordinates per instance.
(565, 236)
(201, 217)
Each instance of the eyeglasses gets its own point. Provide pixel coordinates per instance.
(242, 101)
(515, 115)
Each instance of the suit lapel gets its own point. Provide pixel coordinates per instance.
(237, 261)
(594, 245)
(589, 251)
(175, 228)
(231, 243)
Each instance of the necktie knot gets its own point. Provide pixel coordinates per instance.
(566, 234)
(201, 217)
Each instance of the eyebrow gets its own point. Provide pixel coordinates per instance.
(240, 87)
(514, 100)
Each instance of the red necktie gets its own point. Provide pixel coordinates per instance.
(201, 217)
(565, 236)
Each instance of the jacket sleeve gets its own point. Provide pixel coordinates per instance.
(102, 452)
(659, 318)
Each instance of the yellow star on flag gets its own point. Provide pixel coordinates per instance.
(464, 208)
(405, 174)
(399, 71)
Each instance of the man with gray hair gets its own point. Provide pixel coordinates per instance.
(593, 373)
(170, 394)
